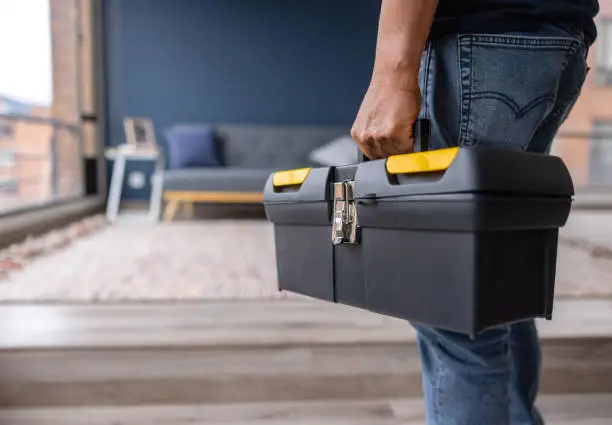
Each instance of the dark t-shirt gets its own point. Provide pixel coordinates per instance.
(469, 16)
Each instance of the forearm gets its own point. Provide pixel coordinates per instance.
(402, 33)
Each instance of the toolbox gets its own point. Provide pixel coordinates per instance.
(461, 238)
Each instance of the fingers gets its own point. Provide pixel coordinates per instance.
(391, 145)
(382, 145)
(367, 151)
(374, 147)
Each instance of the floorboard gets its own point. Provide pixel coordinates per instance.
(252, 351)
(243, 323)
(558, 410)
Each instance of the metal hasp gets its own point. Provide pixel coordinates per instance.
(344, 220)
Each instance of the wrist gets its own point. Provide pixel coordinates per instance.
(401, 73)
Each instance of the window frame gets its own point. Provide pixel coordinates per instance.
(604, 51)
(600, 173)
(5, 125)
(8, 184)
(8, 153)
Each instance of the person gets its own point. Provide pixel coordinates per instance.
(502, 73)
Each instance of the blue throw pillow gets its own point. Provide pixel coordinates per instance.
(192, 147)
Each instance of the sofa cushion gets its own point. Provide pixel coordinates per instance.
(340, 151)
(221, 179)
(272, 146)
(192, 147)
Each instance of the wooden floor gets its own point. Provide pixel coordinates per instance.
(258, 323)
(558, 410)
(259, 362)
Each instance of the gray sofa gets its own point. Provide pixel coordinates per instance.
(250, 153)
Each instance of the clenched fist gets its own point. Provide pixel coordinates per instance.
(383, 126)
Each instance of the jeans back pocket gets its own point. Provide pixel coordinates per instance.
(509, 85)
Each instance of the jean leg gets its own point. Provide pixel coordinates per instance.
(526, 360)
(466, 381)
(491, 379)
(476, 92)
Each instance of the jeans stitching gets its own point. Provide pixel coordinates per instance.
(438, 382)
(522, 47)
(438, 397)
(519, 112)
(524, 41)
(460, 118)
(466, 46)
(465, 49)
(550, 115)
(469, 139)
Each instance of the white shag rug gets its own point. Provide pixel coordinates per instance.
(92, 261)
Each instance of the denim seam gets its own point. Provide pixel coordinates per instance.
(461, 94)
(469, 139)
(524, 41)
(568, 55)
(438, 384)
(438, 398)
(519, 111)
(465, 53)
(526, 47)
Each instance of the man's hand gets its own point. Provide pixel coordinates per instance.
(384, 123)
(383, 126)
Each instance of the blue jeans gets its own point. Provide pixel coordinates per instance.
(511, 91)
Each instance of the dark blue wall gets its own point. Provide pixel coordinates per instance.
(249, 61)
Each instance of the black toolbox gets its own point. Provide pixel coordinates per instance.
(462, 239)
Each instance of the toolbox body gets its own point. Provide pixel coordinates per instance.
(463, 239)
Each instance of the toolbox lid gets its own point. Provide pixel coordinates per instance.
(299, 197)
(477, 170)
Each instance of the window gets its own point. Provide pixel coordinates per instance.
(604, 52)
(41, 99)
(601, 154)
(7, 159)
(7, 130)
(8, 184)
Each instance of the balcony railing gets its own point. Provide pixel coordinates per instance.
(588, 156)
(41, 163)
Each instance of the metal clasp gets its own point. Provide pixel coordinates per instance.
(345, 229)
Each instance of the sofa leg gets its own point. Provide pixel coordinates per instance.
(157, 196)
(189, 209)
(171, 210)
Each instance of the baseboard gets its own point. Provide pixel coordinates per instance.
(593, 199)
(17, 227)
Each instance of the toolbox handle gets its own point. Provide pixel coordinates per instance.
(421, 131)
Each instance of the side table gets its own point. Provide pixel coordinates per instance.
(121, 155)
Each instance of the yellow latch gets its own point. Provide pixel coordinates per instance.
(290, 177)
(422, 162)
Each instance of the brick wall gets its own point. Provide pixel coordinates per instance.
(66, 81)
(32, 169)
(87, 74)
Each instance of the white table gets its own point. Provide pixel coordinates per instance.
(121, 155)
